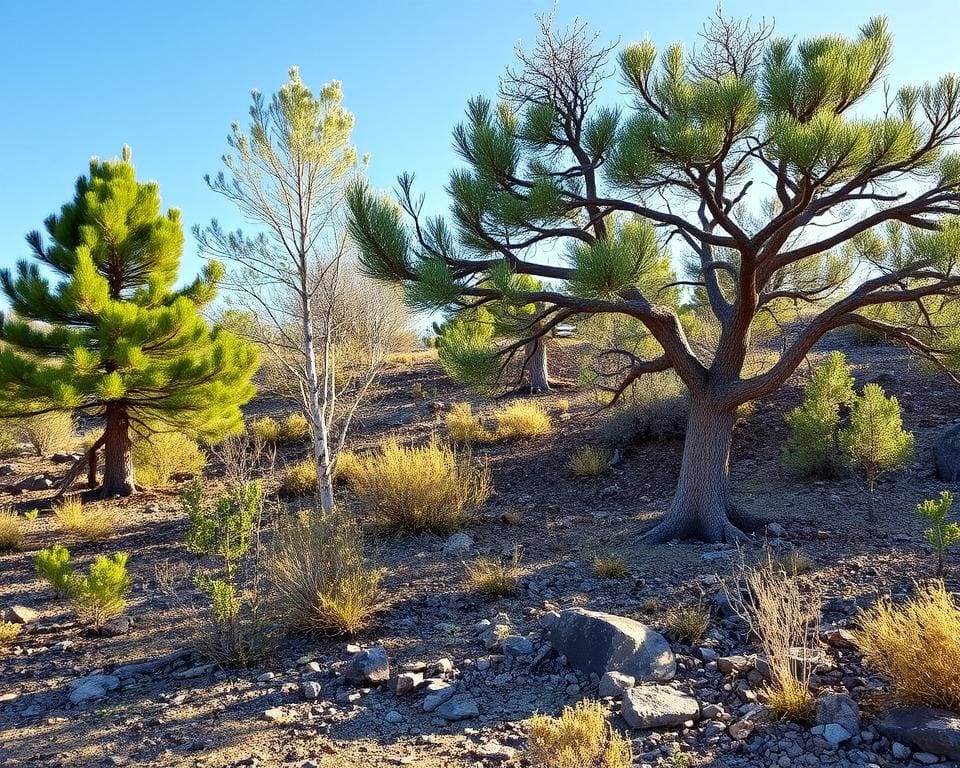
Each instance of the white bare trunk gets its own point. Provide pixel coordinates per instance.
(315, 391)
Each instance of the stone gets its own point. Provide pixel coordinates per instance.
(836, 734)
(493, 635)
(437, 694)
(35, 483)
(595, 643)
(614, 684)
(274, 715)
(408, 682)
(92, 687)
(20, 614)
(656, 706)
(838, 708)
(946, 454)
(310, 690)
(900, 751)
(459, 707)
(393, 717)
(925, 758)
(494, 750)
(117, 626)
(930, 730)
(458, 544)
(368, 667)
(712, 712)
(6, 469)
(839, 638)
(515, 645)
(740, 729)
(776, 531)
(729, 664)
(193, 672)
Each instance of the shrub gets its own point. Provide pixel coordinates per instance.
(48, 432)
(688, 625)
(299, 479)
(265, 429)
(783, 613)
(610, 567)
(563, 405)
(813, 446)
(161, 456)
(53, 566)
(465, 427)
(941, 535)
(656, 409)
(421, 488)
(101, 594)
(494, 577)
(346, 467)
(11, 530)
(295, 428)
(92, 524)
(580, 738)
(875, 439)
(9, 632)
(322, 578)
(916, 646)
(589, 461)
(792, 562)
(522, 419)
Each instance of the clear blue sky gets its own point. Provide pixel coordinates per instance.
(83, 78)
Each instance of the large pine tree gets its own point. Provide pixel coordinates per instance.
(114, 339)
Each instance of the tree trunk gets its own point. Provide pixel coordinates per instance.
(701, 507)
(321, 438)
(118, 477)
(537, 371)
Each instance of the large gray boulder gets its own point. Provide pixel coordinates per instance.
(596, 643)
(657, 706)
(946, 454)
(932, 730)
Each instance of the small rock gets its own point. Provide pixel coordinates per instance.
(776, 531)
(836, 734)
(930, 730)
(310, 690)
(437, 694)
(730, 664)
(20, 614)
(840, 709)
(368, 667)
(515, 645)
(494, 750)
(6, 469)
(740, 729)
(393, 717)
(92, 687)
(408, 682)
(117, 626)
(900, 751)
(655, 706)
(459, 707)
(614, 684)
(458, 544)
(274, 715)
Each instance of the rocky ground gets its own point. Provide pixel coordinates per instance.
(447, 678)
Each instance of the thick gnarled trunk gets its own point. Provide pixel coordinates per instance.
(538, 374)
(118, 475)
(701, 507)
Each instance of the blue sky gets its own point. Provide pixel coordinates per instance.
(82, 79)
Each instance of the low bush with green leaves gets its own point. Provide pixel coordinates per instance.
(97, 596)
(162, 456)
(942, 534)
(53, 566)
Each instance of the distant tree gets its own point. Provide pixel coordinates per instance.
(113, 339)
(327, 326)
(550, 171)
(875, 440)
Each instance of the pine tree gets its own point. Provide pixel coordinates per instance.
(941, 534)
(756, 155)
(875, 439)
(114, 339)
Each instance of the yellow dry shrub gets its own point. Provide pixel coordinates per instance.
(421, 488)
(266, 430)
(9, 631)
(610, 567)
(299, 479)
(522, 419)
(494, 576)
(165, 454)
(346, 469)
(917, 646)
(294, 428)
(90, 523)
(465, 427)
(789, 699)
(11, 530)
(688, 624)
(589, 461)
(580, 738)
(48, 432)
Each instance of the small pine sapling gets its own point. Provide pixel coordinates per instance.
(102, 593)
(53, 566)
(941, 534)
(875, 440)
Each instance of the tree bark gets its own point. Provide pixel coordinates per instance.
(538, 374)
(701, 507)
(118, 475)
(321, 438)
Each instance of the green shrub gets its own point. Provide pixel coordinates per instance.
(295, 428)
(48, 432)
(610, 567)
(813, 446)
(266, 430)
(322, 578)
(161, 456)
(941, 534)
(688, 625)
(101, 594)
(53, 566)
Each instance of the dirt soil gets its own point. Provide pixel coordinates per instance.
(559, 523)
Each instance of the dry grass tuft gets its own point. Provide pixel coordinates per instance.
(48, 432)
(9, 631)
(11, 530)
(610, 567)
(347, 464)
(917, 646)
(322, 578)
(90, 523)
(421, 488)
(164, 455)
(563, 405)
(494, 577)
(299, 479)
(580, 738)
(266, 430)
(589, 461)
(295, 428)
(688, 625)
(465, 427)
(790, 699)
(792, 562)
(522, 419)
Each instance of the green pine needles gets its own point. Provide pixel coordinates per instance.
(117, 340)
(941, 534)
